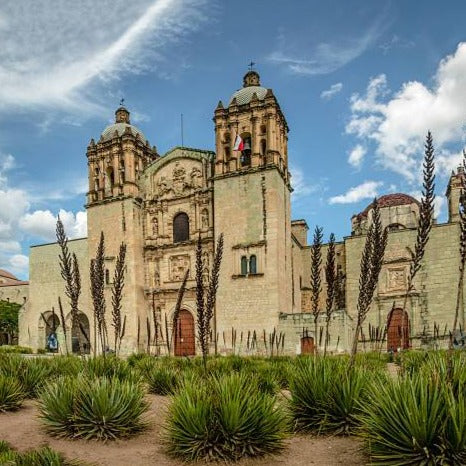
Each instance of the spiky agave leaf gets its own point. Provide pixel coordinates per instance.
(11, 393)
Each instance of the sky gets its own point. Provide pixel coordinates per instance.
(359, 82)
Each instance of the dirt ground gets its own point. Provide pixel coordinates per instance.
(22, 429)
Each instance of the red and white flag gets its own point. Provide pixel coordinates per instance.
(239, 143)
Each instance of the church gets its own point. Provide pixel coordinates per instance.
(159, 205)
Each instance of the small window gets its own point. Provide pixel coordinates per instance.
(244, 265)
(252, 265)
(180, 228)
(263, 146)
(107, 277)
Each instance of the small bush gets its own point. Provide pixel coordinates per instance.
(44, 456)
(11, 393)
(15, 349)
(414, 421)
(326, 396)
(110, 367)
(100, 408)
(224, 418)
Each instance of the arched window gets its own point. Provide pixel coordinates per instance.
(110, 178)
(246, 152)
(180, 227)
(244, 265)
(252, 264)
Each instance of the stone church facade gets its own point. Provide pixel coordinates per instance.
(159, 205)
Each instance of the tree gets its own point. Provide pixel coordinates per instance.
(9, 319)
(117, 297)
(426, 219)
(331, 281)
(316, 262)
(206, 303)
(69, 269)
(371, 264)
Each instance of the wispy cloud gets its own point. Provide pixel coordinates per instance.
(333, 90)
(325, 57)
(397, 123)
(356, 156)
(396, 41)
(366, 190)
(53, 51)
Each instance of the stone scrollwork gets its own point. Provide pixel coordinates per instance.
(396, 279)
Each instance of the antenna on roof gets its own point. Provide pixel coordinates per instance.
(182, 132)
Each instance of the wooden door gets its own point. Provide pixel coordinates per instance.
(397, 330)
(185, 343)
(307, 345)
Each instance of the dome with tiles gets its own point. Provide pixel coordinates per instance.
(251, 85)
(121, 125)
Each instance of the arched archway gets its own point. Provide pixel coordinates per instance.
(80, 333)
(307, 345)
(185, 342)
(50, 323)
(397, 330)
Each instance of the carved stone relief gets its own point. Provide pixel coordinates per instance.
(180, 183)
(396, 279)
(178, 266)
(205, 219)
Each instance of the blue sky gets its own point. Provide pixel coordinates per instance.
(360, 84)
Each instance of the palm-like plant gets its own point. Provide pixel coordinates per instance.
(11, 393)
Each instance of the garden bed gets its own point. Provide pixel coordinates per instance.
(22, 429)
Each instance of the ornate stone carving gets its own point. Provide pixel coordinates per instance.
(163, 186)
(396, 279)
(178, 266)
(180, 183)
(196, 177)
(205, 268)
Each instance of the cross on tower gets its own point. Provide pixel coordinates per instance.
(122, 102)
(251, 65)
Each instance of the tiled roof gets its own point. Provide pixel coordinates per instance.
(244, 95)
(4, 273)
(390, 200)
(120, 128)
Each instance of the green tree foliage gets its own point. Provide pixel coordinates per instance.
(9, 319)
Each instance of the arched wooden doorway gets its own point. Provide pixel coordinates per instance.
(185, 344)
(397, 330)
(307, 345)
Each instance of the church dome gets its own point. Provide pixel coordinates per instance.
(109, 132)
(251, 85)
(122, 124)
(391, 200)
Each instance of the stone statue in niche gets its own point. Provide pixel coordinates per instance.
(205, 268)
(205, 219)
(155, 227)
(178, 267)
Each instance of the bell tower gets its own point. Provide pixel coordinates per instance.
(115, 207)
(252, 210)
(252, 131)
(454, 191)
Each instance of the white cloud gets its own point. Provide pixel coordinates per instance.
(356, 156)
(324, 57)
(331, 91)
(299, 184)
(42, 224)
(18, 220)
(366, 190)
(19, 263)
(398, 123)
(73, 44)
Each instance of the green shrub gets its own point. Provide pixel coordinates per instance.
(414, 420)
(100, 408)
(11, 393)
(161, 380)
(44, 456)
(224, 418)
(110, 367)
(15, 349)
(326, 396)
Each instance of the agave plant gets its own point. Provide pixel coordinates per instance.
(110, 367)
(11, 393)
(224, 418)
(100, 408)
(160, 380)
(44, 456)
(403, 421)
